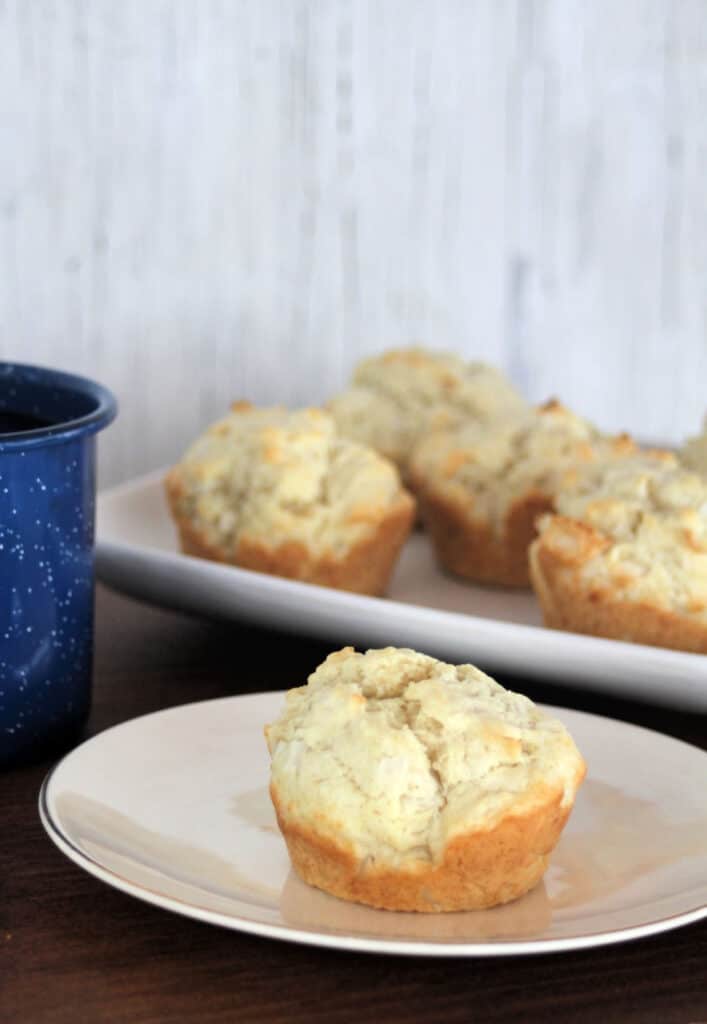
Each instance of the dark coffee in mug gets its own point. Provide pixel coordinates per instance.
(17, 422)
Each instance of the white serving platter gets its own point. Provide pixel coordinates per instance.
(497, 629)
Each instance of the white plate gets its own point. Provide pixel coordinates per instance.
(173, 808)
(428, 610)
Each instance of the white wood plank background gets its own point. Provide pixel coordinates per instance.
(206, 200)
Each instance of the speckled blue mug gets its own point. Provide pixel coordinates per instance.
(48, 423)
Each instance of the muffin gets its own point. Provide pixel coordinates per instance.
(282, 493)
(625, 555)
(397, 397)
(407, 784)
(481, 487)
(694, 452)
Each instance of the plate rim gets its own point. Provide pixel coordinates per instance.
(342, 942)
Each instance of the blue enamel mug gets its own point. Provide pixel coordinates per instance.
(48, 426)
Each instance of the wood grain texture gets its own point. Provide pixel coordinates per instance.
(72, 949)
(222, 199)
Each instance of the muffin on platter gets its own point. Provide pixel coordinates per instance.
(694, 452)
(481, 487)
(625, 555)
(397, 397)
(405, 783)
(283, 493)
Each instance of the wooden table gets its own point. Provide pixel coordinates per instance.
(74, 950)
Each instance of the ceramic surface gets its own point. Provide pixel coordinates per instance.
(497, 629)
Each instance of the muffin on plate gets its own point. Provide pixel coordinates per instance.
(405, 783)
(625, 555)
(397, 397)
(481, 487)
(283, 493)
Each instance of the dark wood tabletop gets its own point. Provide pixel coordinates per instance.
(73, 950)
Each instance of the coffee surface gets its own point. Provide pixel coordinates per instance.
(17, 422)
